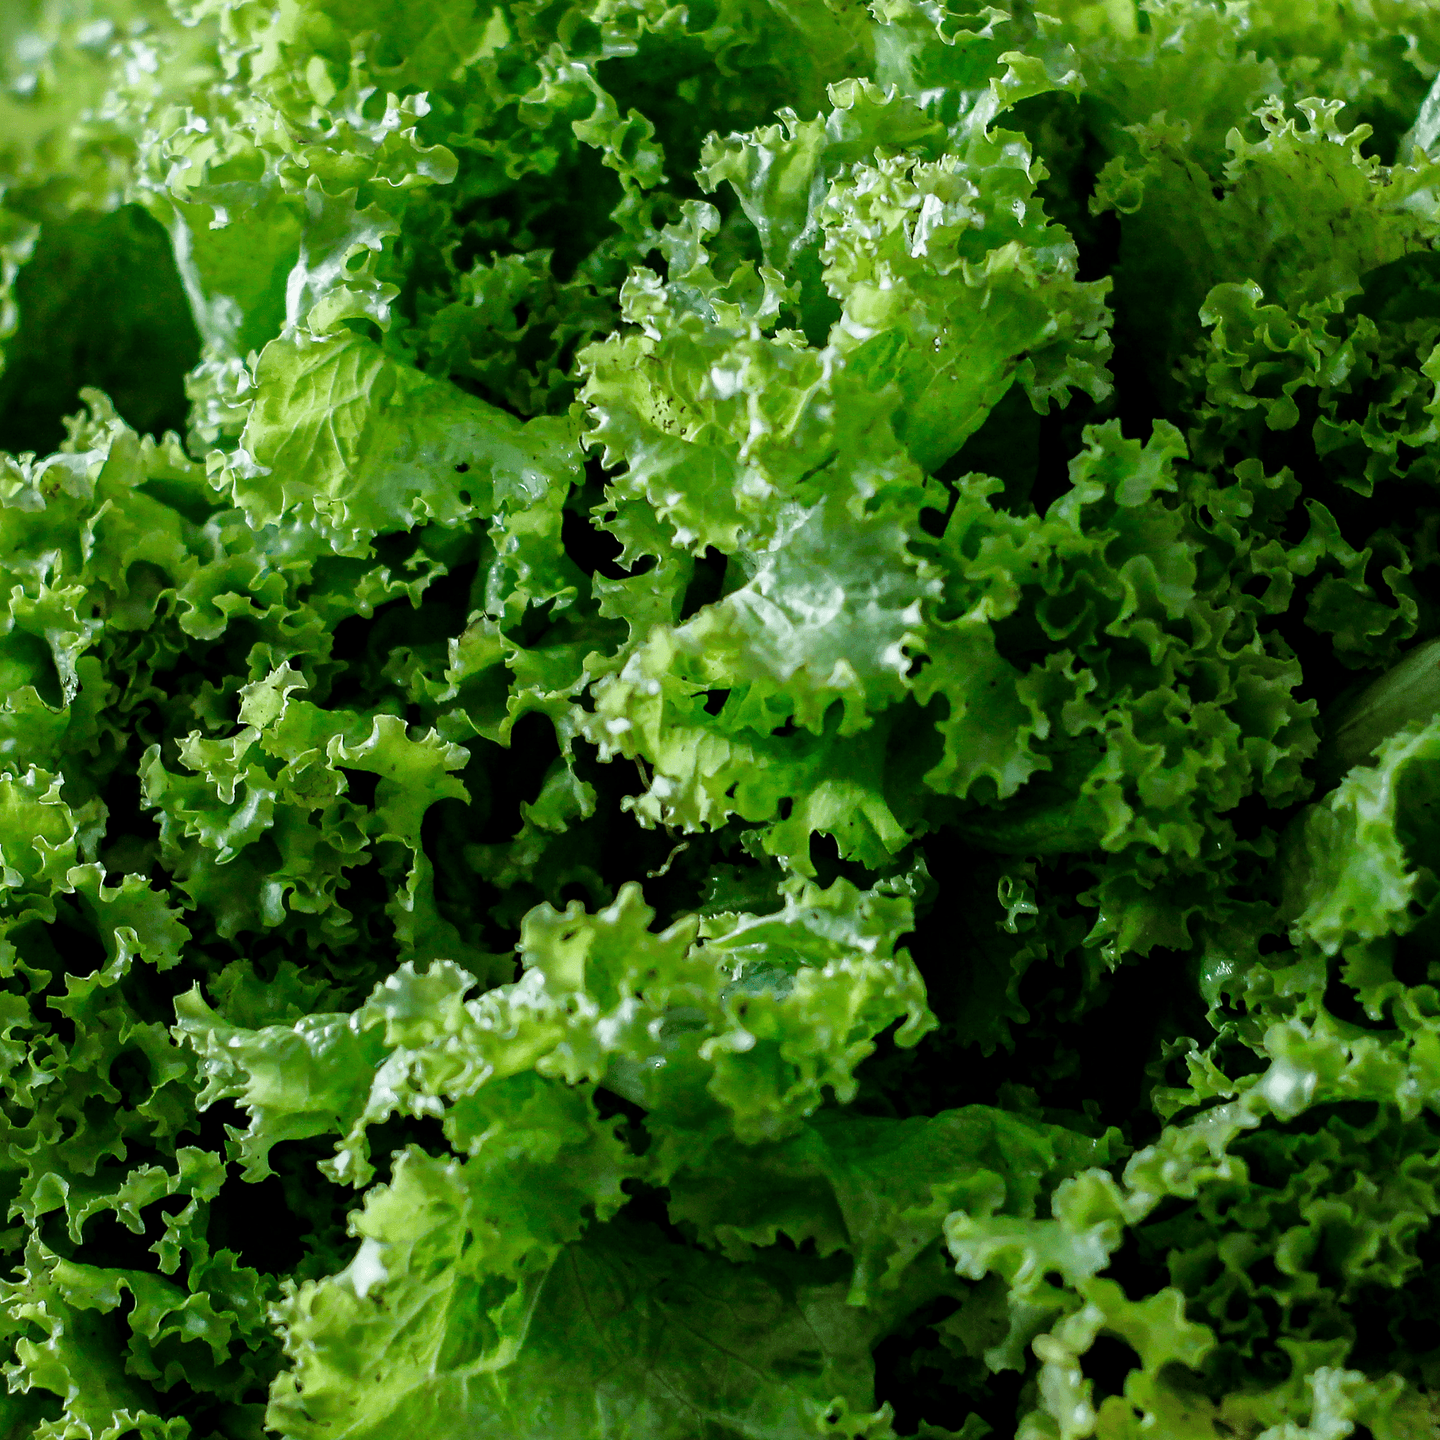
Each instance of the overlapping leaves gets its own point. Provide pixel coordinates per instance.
(899, 586)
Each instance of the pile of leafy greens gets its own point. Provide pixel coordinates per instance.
(719, 720)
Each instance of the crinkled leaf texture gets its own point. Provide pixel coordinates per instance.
(476, 1270)
(886, 552)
